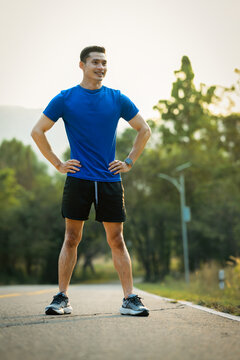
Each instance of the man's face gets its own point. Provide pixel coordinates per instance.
(95, 67)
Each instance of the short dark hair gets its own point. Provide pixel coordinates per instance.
(87, 50)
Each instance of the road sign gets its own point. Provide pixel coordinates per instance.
(187, 214)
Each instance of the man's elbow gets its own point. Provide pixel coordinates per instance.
(147, 131)
(35, 133)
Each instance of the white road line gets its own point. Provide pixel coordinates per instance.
(199, 307)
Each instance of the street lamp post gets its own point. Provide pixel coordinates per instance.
(185, 211)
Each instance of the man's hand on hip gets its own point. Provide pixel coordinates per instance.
(118, 166)
(71, 166)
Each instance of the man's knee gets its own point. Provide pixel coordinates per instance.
(116, 241)
(72, 238)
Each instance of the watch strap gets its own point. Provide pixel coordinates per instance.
(128, 161)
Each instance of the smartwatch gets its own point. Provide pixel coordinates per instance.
(129, 162)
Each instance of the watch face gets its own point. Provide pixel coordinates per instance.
(129, 161)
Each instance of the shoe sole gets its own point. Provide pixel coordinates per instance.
(52, 311)
(125, 311)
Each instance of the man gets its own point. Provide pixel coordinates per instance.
(91, 112)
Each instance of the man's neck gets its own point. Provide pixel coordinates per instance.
(91, 85)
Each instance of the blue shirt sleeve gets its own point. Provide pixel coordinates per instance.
(54, 110)
(128, 108)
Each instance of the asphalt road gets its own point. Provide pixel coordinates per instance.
(97, 331)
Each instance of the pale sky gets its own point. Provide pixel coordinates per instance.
(145, 40)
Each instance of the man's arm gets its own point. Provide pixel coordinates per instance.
(144, 133)
(38, 134)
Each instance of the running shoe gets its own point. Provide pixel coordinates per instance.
(59, 306)
(133, 306)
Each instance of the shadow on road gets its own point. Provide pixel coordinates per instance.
(43, 319)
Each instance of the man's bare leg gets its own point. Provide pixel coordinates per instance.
(68, 254)
(120, 255)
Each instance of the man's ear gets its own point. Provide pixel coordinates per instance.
(81, 65)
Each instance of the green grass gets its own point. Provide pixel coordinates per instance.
(203, 288)
(221, 300)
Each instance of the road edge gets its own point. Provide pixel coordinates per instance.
(188, 303)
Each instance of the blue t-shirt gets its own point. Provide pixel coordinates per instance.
(91, 118)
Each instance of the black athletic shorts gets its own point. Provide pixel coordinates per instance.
(108, 199)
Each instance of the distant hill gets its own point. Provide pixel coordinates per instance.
(16, 121)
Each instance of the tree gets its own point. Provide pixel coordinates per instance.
(30, 223)
(11, 195)
(188, 131)
(21, 158)
(186, 116)
(230, 135)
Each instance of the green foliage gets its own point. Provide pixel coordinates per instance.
(230, 138)
(14, 155)
(31, 229)
(10, 190)
(186, 117)
(186, 131)
(233, 276)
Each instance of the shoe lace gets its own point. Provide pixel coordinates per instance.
(136, 300)
(57, 299)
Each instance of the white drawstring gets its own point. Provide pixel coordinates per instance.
(96, 192)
